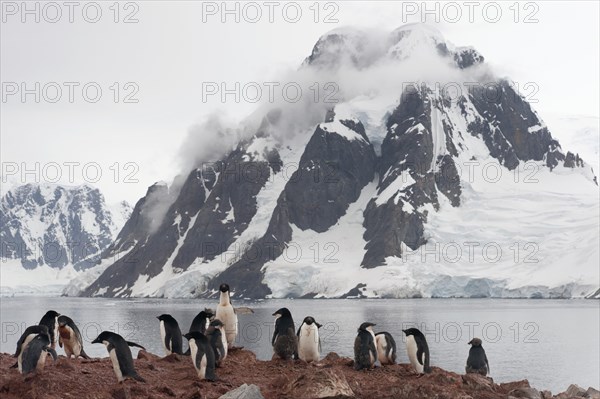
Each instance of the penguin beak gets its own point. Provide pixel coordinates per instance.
(470, 342)
(318, 325)
(96, 341)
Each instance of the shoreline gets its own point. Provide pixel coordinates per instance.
(333, 376)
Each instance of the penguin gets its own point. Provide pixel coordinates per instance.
(50, 320)
(365, 352)
(386, 348)
(217, 340)
(227, 315)
(30, 333)
(120, 355)
(170, 334)
(201, 321)
(477, 362)
(285, 340)
(33, 357)
(417, 349)
(203, 356)
(70, 338)
(309, 342)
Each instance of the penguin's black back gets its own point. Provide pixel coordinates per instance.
(477, 360)
(37, 329)
(173, 337)
(216, 342)
(49, 320)
(364, 348)
(285, 340)
(422, 348)
(32, 353)
(124, 356)
(199, 322)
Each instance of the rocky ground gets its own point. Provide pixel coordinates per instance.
(333, 377)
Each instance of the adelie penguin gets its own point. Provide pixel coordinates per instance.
(226, 313)
(477, 362)
(285, 340)
(28, 335)
(217, 340)
(201, 321)
(417, 349)
(386, 348)
(365, 352)
(50, 320)
(34, 355)
(203, 356)
(70, 338)
(120, 355)
(309, 343)
(170, 334)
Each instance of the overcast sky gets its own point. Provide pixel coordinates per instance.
(175, 46)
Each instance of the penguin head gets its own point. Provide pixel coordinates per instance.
(366, 326)
(224, 288)
(104, 336)
(62, 320)
(412, 331)
(165, 318)
(310, 320)
(208, 313)
(52, 313)
(475, 342)
(283, 312)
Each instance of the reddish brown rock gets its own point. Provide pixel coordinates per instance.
(175, 377)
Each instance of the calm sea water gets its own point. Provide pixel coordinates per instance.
(551, 343)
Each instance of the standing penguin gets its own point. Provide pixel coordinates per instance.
(417, 349)
(285, 340)
(201, 321)
(170, 334)
(28, 335)
(365, 352)
(227, 315)
(50, 320)
(70, 338)
(203, 356)
(120, 355)
(35, 354)
(477, 362)
(309, 343)
(217, 340)
(386, 348)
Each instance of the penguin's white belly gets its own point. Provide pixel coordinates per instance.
(41, 361)
(308, 345)
(55, 340)
(71, 344)
(227, 315)
(202, 369)
(382, 348)
(194, 352)
(23, 347)
(115, 363)
(411, 349)
(224, 342)
(163, 334)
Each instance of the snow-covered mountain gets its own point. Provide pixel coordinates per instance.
(398, 190)
(50, 233)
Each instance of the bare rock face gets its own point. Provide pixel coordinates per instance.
(244, 392)
(322, 384)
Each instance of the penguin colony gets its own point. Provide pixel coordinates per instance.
(212, 334)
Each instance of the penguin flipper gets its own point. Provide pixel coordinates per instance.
(134, 344)
(52, 353)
